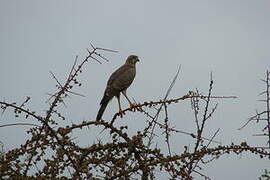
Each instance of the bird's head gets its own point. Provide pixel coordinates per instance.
(132, 59)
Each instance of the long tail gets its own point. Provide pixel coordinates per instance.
(104, 102)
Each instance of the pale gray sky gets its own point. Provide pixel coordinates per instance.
(228, 37)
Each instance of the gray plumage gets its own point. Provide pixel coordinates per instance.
(118, 82)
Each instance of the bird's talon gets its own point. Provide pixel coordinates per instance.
(131, 106)
(121, 113)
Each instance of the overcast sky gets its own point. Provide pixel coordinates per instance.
(227, 37)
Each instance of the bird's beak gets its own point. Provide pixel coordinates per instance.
(138, 60)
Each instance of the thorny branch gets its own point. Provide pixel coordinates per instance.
(51, 153)
(263, 115)
(56, 99)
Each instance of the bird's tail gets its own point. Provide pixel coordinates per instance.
(104, 102)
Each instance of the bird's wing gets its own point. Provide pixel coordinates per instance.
(120, 80)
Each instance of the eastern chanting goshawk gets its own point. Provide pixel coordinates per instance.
(118, 83)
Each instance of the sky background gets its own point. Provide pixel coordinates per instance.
(229, 38)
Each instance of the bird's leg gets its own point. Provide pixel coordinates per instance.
(119, 106)
(130, 103)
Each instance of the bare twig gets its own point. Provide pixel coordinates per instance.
(19, 124)
(162, 104)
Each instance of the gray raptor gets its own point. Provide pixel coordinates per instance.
(118, 83)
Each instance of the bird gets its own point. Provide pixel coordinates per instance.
(118, 83)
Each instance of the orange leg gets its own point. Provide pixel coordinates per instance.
(119, 106)
(130, 103)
